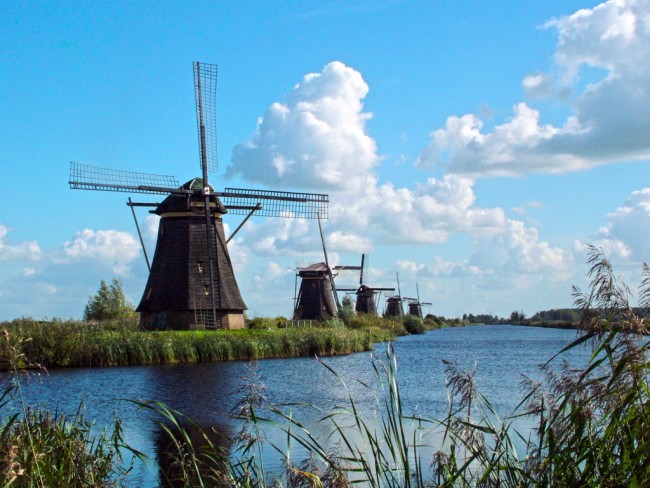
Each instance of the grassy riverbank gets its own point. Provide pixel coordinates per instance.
(70, 343)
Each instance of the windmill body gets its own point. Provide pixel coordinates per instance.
(415, 309)
(315, 300)
(191, 282)
(366, 295)
(179, 288)
(415, 305)
(394, 307)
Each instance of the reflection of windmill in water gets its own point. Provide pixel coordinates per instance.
(367, 296)
(317, 298)
(191, 282)
(415, 305)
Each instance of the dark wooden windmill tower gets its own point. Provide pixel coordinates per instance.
(366, 301)
(394, 306)
(317, 298)
(415, 305)
(191, 281)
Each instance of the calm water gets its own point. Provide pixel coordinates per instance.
(206, 392)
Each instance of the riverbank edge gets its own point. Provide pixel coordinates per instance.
(57, 346)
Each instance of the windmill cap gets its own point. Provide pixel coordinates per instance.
(179, 203)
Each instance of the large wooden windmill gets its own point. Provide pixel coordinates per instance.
(191, 281)
(366, 295)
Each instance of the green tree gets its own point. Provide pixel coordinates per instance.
(347, 310)
(108, 303)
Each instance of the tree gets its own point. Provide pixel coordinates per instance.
(347, 310)
(108, 303)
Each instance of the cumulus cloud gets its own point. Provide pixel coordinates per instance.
(624, 236)
(428, 213)
(24, 251)
(608, 120)
(314, 138)
(116, 248)
(519, 250)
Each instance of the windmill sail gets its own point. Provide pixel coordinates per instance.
(191, 282)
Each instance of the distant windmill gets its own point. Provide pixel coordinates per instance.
(415, 305)
(317, 298)
(366, 295)
(191, 281)
(394, 306)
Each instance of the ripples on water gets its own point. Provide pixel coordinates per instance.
(204, 392)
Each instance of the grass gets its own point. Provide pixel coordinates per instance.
(74, 343)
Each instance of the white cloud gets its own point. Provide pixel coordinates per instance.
(518, 250)
(624, 238)
(115, 248)
(315, 138)
(608, 122)
(24, 251)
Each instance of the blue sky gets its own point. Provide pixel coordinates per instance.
(473, 147)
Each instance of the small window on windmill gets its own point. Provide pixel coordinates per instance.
(199, 267)
(148, 294)
(206, 289)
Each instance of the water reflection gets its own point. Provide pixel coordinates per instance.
(211, 444)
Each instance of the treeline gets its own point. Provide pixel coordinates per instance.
(553, 317)
(563, 318)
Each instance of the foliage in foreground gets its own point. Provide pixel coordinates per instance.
(42, 449)
(593, 423)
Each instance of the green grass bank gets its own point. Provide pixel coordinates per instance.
(71, 343)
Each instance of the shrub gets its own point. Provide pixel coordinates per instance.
(346, 313)
(413, 324)
(262, 323)
(109, 303)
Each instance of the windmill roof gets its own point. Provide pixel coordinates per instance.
(181, 203)
(314, 268)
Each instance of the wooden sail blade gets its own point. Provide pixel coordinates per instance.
(239, 201)
(205, 94)
(85, 177)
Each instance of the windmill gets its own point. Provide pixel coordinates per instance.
(191, 279)
(366, 302)
(317, 298)
(394, 302)
(415, 305)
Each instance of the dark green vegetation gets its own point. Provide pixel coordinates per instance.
(117, 343)
(109, 336)
(593, 425)
(109, 303)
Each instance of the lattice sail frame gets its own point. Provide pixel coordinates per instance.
(85, 177)
(238, 201)
(205, 96)
(286, 204)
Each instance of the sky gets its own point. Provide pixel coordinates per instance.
(474, 148)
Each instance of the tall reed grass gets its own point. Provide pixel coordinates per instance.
(44, 449)
(73, 343)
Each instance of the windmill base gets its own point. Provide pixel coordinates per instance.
(187, 320)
